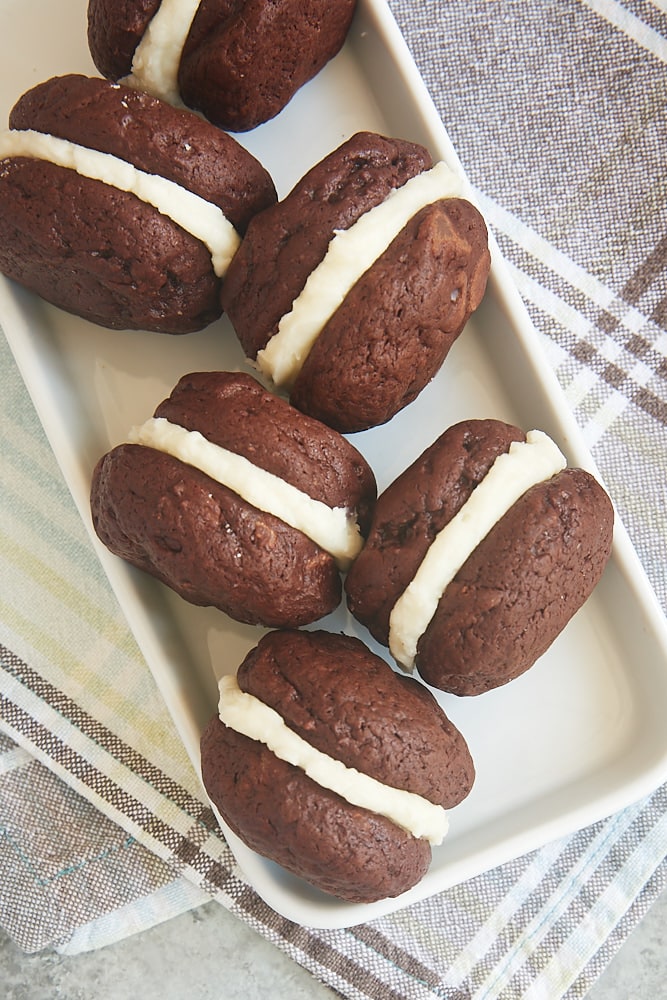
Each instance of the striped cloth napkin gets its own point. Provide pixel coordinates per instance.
(559, 113)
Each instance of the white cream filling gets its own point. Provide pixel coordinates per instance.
(249, 716)
(158, 55)
(197, 216)
(527, 463)
(349, 255)
(332, 528)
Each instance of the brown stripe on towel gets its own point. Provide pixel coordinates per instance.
(105, 738)
(319, 948)
(586, 353)
(185, 850)
(372, 937)
(644, 275)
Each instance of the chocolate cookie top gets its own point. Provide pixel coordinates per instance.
(350, 292)
(414, 509)
(520, 587)
(206, 543)
(479, 554)
(152, 135)
(115, 28)
(243, 70)
(278, 811)
(395, 327)
(349, 704)
(232, 410)
(284, 245)
(239, 64)
(215, 545)
(100, 253)
(120, 208)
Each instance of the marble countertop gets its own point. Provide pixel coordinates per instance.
(220, 958)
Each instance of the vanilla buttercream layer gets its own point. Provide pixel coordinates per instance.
(351, 252)
(334, 529)
(157, 57)
(526, 464)
(249, 716)
(190, 211)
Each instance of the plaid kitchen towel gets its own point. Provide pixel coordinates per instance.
(558, 111)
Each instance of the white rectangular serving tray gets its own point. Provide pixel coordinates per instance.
(580, 735)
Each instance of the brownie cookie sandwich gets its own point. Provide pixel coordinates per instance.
(328, 762)
(235, 500)
(237, 63)
(349, 293)
(121, 209)
(479, 554)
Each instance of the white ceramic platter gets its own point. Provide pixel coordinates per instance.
(577, 737)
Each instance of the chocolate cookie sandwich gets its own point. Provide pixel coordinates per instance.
(328, 762)
(237, 63)
(349, 293)
(235, 500)
(479, 554)
(120, 208)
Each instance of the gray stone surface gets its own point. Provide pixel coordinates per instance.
(639, 969)
(208, 954)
